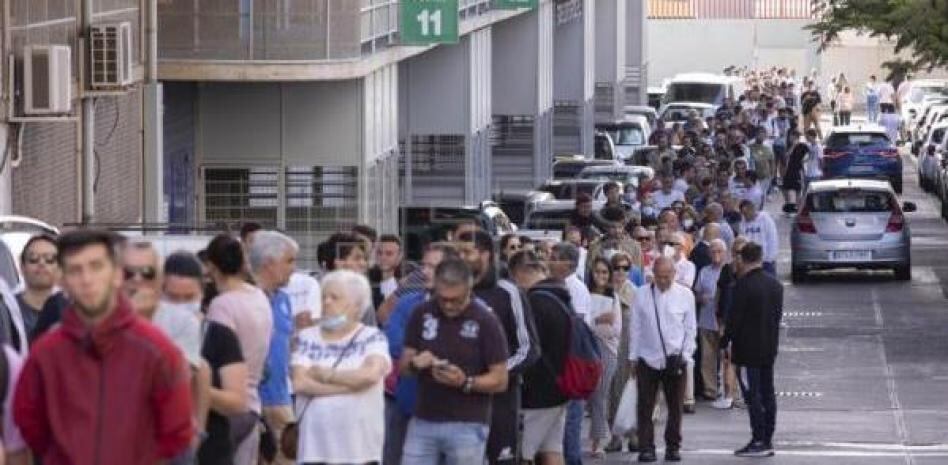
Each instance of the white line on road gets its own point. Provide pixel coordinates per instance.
(894, 402)
(823, 453)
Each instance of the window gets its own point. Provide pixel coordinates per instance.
(850, 201)
(549, 220)
(695, 92)
(857, 140)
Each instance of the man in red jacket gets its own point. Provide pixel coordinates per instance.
(105, 387)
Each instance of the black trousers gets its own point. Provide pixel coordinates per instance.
(503, 441)
(757, 384)
(649, 380)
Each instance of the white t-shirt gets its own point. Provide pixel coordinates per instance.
(388, 286)
(814, 165)
(344, 428)
(579, 296)
(685, 272)
(886, 93)
(663, 200)
(305, 295)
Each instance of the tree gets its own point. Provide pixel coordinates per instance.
(916, 25)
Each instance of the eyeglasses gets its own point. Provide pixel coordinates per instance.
(49, 259)
(513, 246)
(147, 273)
(673, 244)
(623, 267)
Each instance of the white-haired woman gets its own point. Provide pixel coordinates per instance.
(338, 369)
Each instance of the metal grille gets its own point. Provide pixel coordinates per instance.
(568, 11)
(437, 168)
(567, 127)
(607, 98)
(118, 189)
(320, 200)
(633, 82)
(241, 194)
(512, 139)
(275, 29)
(179, 164)
(45, 183)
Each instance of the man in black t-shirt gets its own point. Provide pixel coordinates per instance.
(183, 286)
(458, 350)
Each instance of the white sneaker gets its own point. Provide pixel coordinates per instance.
(722, 403)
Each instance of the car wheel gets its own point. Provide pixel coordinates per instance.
(897, 185)
(798, 274)
(903, 272)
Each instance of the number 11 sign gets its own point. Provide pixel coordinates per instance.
(425, 22)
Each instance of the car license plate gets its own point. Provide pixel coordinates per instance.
(861, 169)
(851, 255)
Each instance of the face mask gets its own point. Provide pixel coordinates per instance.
(190, 308)
(668, 251)
(648, 211)
(629, 197)
(333, 323)
(687, 224)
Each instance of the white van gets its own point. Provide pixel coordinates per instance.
(703, 88)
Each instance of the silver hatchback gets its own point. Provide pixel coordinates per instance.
(850, 223)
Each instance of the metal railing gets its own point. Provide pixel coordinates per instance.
(283, 30)
(730, 9)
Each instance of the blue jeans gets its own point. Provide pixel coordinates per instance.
(572, 440)
(872, 109)
(757, 385)
(447, 443)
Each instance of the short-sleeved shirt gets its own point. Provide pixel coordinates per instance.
(220, 348)
(275, 387)
(473, 341)
(342, 428)
(305, 295)
(184, 330)
(247, 312)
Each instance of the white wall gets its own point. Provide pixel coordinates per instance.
(679, 46)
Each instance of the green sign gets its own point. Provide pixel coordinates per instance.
(426, 22)
(514, 4)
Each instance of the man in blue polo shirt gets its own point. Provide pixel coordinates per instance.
(272, 261)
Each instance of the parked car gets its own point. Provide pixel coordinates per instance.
(15, 231)
(552, 215)
(677, 112)
(918, 130)
(627, 175)
(850, 223)
(423, 225)
(929, 166)
(705, 88)
(517, 203)
(650, 113)
(655, 96)
(627, 134)
(567, 167)
(568, 189)
(861, 151)
(917, 92)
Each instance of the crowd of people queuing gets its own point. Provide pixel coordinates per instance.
(118, 355)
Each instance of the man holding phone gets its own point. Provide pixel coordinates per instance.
(458, 350)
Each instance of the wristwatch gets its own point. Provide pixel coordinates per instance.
(468, 385)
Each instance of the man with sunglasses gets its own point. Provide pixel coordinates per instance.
(41, 274)
(143, 287)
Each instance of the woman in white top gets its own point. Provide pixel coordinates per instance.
(606, 315)
(338, 372)
(625, 292)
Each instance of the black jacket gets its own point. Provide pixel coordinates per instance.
(513, 310)
(553, 330)
(753, 325)
(700, 256)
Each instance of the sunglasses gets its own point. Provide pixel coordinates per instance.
(673, 244)
(623, 268)
(147, 273)
(48, 259)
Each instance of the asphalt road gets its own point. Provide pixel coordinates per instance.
(862, 377)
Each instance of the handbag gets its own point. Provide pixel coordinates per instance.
(290, 439)
(674, 364)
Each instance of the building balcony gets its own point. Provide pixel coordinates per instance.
(287, 39)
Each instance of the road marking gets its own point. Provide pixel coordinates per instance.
(802, 349)
(866, 445)
(823, 453)
(802, 314)
(894, 402)
(799, 394)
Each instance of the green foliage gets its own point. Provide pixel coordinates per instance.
(917, 25)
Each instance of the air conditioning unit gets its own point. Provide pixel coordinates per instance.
(47, 79)
(110, 55)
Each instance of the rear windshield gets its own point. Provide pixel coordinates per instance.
(694, 92)
(553, 219)
(848, 140)
(629, 135)
(559, 191)
(850, 201)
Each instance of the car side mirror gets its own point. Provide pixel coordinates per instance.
(909, 207)
(789, 208)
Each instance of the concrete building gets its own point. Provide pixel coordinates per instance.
(313, 115)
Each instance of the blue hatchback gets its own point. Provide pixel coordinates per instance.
(862, 152)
